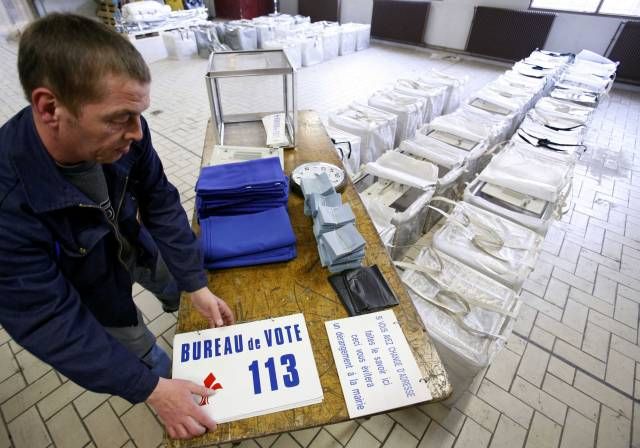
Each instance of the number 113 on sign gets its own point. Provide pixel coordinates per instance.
(286, 367)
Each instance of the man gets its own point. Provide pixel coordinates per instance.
(86, 210)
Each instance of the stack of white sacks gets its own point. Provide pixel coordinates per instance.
(305, 43)
(390, 183)
(457, 145)
(509, 151)
(465, 284)
(395, 114)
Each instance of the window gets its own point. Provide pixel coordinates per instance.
(603, 7)
(567, 5)
(621, 7)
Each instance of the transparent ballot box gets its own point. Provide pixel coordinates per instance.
(246, 87)
(469, 316)
(405, 206)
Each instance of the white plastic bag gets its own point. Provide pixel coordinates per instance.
(599, 64)
(563, 110)
(410, 211)
(348, 147)
(409, 109)
(181, 44)
(241, 37)
(291, 47)
(145, 11)
(528, 172)
(556, 130)
(434, 95)
(404, 169)
(330, 43)
(467, 336)
(539, 222)
(348, 40)
(363, 32)
(312, 52)
(265, 33)
(495, 246)
(375, 127)
(455, 88)
(434, 150)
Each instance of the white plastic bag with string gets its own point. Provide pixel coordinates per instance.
(455, 87)
(495, 246)
(403, 169)
(434, 95)
(469, 315)
(375, 127)
(409, 109)
(537, 174)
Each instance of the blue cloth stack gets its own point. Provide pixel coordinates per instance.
(239, 188)
(243, 214)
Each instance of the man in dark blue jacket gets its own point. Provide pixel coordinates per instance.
(85, 210)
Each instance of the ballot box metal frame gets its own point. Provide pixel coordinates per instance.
(238, 64)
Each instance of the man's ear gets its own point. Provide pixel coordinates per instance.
(46, 106)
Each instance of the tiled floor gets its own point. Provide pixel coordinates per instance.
(569, 376)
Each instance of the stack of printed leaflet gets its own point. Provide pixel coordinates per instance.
(340, 245)
(252, 369)
(242, 209)
(341, 249)
(330, 218)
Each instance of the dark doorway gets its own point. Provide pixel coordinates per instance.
(320, 9)
(242, 9)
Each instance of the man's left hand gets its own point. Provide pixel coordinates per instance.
(212, 307)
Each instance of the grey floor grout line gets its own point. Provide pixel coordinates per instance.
(586, 372)
(199, 156)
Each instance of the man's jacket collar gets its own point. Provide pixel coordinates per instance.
(45, 187)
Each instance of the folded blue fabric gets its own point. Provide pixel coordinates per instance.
(240, 208)
(271, 256)
(247, 194)
(252, 186)
(252, 175)
(248, 239)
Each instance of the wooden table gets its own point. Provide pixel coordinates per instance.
(301, 285)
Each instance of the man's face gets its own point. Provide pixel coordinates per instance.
(104, 130)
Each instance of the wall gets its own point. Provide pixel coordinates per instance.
(568, 33)
(288, 6)
(358, 11)
(450, 21)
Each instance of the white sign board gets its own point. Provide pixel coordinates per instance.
(376, 367)
(254, 368)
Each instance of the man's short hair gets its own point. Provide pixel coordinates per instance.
(71, 55)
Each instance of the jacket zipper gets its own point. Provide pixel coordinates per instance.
(113, 226)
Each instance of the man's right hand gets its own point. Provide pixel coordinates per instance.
(182, 417)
